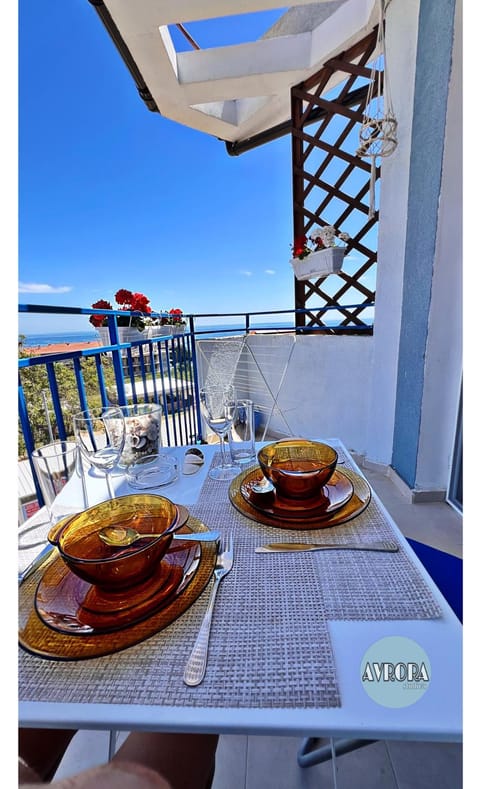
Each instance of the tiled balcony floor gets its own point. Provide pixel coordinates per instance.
(271, 763)
(256, 762)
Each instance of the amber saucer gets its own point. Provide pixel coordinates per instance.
(43, 641)
(335, 495)
(70, 605)
(357, 503)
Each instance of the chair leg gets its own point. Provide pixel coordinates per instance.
(308, 755)
(112, 744)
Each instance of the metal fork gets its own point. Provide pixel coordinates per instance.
(197, 662)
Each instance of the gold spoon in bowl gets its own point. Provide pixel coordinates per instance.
(123, 536)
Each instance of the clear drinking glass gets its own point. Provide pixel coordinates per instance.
(100, 434)
(54, 465)
(217, 405)
(241, 436)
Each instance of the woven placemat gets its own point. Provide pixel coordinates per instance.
(243, 670)
(352, 585)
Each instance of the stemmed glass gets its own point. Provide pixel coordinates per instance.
(100, 435)
(217, 405)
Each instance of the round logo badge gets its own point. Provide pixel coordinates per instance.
(395, 671)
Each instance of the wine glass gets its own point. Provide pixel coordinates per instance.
(100, 434)
(217, 405)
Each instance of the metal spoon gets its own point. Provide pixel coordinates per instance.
(122, 536)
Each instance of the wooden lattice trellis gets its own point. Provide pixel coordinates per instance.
(331, 187)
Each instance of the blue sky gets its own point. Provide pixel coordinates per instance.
(114, 196)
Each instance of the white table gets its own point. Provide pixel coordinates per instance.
(437, 716)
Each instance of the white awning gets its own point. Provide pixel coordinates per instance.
(231, 92)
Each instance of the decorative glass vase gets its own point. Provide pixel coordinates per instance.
(142, 432)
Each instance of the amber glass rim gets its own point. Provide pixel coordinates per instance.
(138, 551)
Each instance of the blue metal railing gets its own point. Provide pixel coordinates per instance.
(156, 369)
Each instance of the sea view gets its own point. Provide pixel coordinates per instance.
(37, 340)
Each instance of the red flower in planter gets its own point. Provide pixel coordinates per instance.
(140, 302)
(131, 302)
(321, 238)
(299, 248)
(123, 296)
(100, 320)
(318, 243)
(176, 316)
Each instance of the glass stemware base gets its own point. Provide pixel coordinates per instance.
(224, 472)
(218, 407)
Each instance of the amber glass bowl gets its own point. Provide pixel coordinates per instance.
(111, 568)
(298, 468)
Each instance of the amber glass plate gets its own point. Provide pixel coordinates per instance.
(40, 639)
(358, 502)
(67, 604)
(334, 496)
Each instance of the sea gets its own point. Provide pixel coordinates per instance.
(38, 340)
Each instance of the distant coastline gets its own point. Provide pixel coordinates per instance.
(61, 338)
(58, 338)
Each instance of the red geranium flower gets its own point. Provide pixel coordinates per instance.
(299, 246)
(97, 320)
(140, 302)
(176, 315)
(129, 302)
(123, 296)
(318, 243)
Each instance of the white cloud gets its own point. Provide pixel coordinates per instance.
(270, 271)
(246, 273)
(36, 287)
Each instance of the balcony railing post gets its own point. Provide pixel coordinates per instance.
(196, 388)
(28, 438)
(82, 393)
(52, 381)
(117, 361)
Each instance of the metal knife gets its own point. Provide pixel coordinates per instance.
(198, 536)
(42, 557)
(291, 547)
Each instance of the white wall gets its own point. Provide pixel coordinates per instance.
(443, 362)
(401, 44)
(323, 382)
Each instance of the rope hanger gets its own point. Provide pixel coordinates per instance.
(378, 132)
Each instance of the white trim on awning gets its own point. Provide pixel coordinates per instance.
(234, 92)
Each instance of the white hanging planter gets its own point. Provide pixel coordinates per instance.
(318, 264)
(125, 334)
(157, 331)
(130, 334)
(104, 335)
(177, 328)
